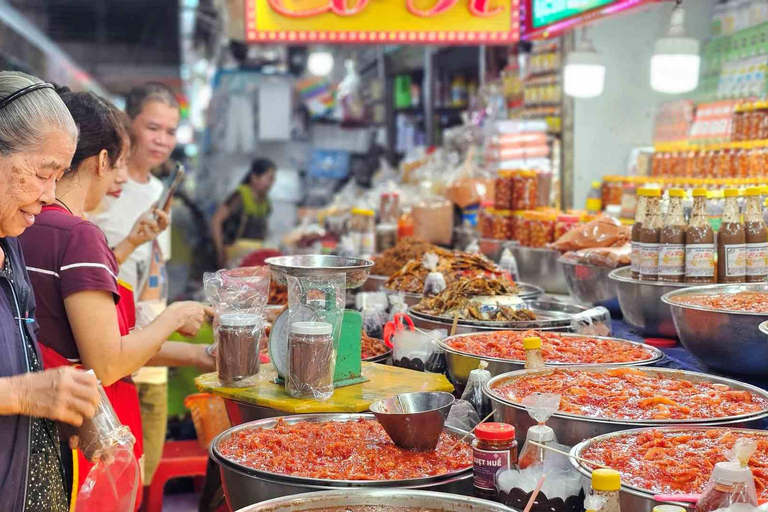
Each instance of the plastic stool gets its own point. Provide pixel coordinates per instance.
(180, 459)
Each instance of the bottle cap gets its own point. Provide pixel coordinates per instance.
(653, 192)
(731, 472)
(596, 184)
(699, 192)
(642, 192)
(311, 328)
(754, 191)
(238, 319)
(606, 480)
(668, 508)
(676, 192)
(531, 343)
(541, 434)
(363, 211)
(495, 432)
(731, 192)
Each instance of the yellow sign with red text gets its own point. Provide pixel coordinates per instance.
(444, 22)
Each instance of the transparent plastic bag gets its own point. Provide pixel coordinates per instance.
(473, 392)
(508, 264)
(605, 231)
(437, 363)
(592, 322)
(397, 305)
(462, 416)
(609, 257)
(540, 407)
(239, 297)
(373, 321)
(473, 247)
(731, 482)
(315, 312)
(435, 281)
(413, 349)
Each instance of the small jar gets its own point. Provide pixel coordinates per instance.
(363, 231)
(534, 359)
(502, 225)
(494, 448)
(564, 224)
(525, 195)
(237, 358)
(607, 484)
(311, 360)
(503, 190)
(522, 231)
(485, 224)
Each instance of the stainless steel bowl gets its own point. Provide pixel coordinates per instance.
(378, 497)
(540, 267)
(641, 304)
(571, 429)
(764, 327)
(589, 284)
(374, 283)
(636, 498)
(525, 291)
(729, 341)
(245, 486)
(461, 363)
(356, 269)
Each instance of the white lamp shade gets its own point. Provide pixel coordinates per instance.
(584, 80)
(320, 63)
(675, 73)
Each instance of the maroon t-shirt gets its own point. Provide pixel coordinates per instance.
(65, 255)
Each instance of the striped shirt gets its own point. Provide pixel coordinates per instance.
(65, 255)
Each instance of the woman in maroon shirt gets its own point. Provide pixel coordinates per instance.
(74, 271)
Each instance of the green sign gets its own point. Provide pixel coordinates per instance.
(546, 12)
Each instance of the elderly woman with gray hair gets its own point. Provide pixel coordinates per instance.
(37, 141)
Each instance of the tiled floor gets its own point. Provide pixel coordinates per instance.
(180, 502)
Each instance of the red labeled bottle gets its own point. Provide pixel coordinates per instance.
(493, 449)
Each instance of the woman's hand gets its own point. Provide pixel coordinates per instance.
(148, 227)
(203, 360)
(190, 316)
(63, 394)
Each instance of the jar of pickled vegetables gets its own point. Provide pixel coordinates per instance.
(504, 190)
(541, 228)
(525, 194)
(485, 221)
(564, 224)
(520, 229)
(502, 225)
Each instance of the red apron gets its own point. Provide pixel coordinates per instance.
(122, 394)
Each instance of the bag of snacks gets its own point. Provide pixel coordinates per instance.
(592, 322)
(540, 407)
(731, 482)
(473, 392)
(605, 231)
(435, 281)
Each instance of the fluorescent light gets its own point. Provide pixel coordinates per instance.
(320, 63)
(584, 73)
(676, 63)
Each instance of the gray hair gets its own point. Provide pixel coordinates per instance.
(25, 121)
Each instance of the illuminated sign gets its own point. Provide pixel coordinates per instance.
(550, 11)
(443, 22)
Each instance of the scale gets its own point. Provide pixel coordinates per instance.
(316, 297)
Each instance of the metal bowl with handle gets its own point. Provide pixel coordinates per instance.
(244, 485)
(571, 429)
(728, 341)
(636, 498)
(461, 363)
(641, 304)
(589, 284)
(377, 498)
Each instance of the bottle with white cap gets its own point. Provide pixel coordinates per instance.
(731, 482)
(311, 361)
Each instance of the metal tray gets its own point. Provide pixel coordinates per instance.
(549, 315)
(461, 363)
(525, 291)
(642, 499)
(573, 428)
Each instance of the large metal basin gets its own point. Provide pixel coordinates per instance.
(641, 304)
(589, 284)
(635, 498)
(244, 486)
(540, 267)
(571, 429)
(389, 497)
(728, 341)
(461, 363)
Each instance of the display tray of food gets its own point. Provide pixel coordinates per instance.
(294, 454)
(374, 350)
(503, 351)
(670, 460)
(597, 400)
(720, 325)
(373, 500)
(411, 248)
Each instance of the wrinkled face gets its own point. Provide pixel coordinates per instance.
(28, 181)
(262, 184)
(155, 132)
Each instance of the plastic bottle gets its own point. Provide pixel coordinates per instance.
(700, 247)
(672, 240)
(533, 357)
(731, 242)
(640, 212)
(756, 236)
(606, 483)
(649, 237)
(730, 483)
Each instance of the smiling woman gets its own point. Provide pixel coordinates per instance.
(37, 140)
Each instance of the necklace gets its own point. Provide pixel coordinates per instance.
(64, 205)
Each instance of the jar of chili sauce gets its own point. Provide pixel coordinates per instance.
(494, 448)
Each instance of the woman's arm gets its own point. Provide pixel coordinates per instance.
(146, 228)
(93, 320)
(217, 230)
(179, 353)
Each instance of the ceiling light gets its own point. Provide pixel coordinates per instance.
(676, 63)
(584, 73)
(320, 63)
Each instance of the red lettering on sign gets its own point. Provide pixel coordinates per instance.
(481, 8)
(335, 6)
(440, 7)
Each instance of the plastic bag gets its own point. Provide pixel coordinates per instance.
(508, 264)
(473, 247)
(437, 363)
(435, 281)
(540, 407)
(433, 220)
(373, 321)
(462, 416)
(473, 392)
(592, 322)
(413, 349)
(397, 305)
(605, 231)
(239, 297)
(731, 482)
(609, 257)
(315, 313)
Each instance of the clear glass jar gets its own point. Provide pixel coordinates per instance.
(311, 361)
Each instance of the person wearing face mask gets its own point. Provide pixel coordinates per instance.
(154, 113)
(37, 140)
(74, 274)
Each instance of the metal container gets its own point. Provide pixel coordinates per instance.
(244, 486)
(355, 269)
(641, 304)
(571, 429)
(374, 283)
(635, 498)
(728, 341)
(241, 412)
(381, 358)
(589, 284)
(540, 267)
(414, 421)
(764, 328)
(461, 363)
(550, 316)
(378, 497)
(525, 291)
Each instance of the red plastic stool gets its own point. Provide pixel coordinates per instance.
(180, 459)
